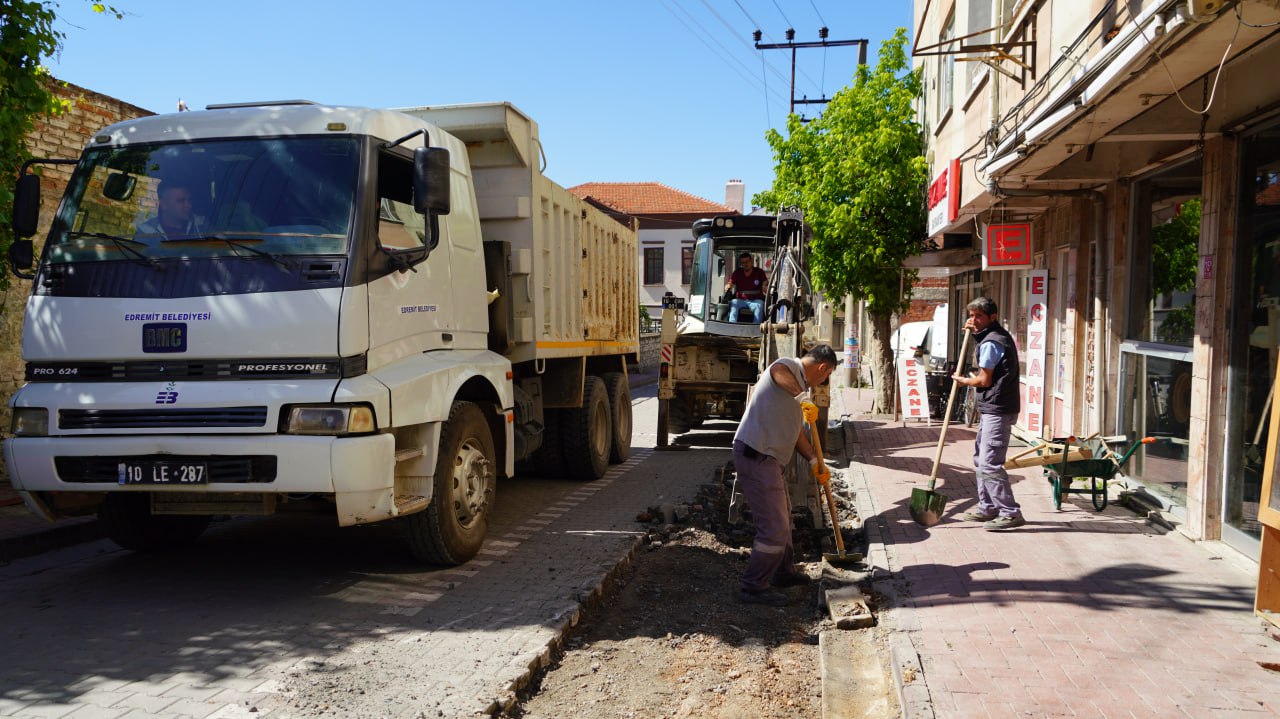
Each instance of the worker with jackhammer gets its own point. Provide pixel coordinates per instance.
(772, 428)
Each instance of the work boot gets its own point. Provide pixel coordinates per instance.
(1005, 523)
(767, 597)
(978, 516)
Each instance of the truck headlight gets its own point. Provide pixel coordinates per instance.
(30, 422)
(328, 419)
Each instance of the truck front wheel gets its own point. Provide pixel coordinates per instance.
(588, 432)
(127, 520)
(452, 528)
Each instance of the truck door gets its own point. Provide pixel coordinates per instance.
(409, 309)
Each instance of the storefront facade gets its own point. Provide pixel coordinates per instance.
(1131, 243)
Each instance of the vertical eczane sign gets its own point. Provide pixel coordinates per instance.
(1037, 334)
(915, 398)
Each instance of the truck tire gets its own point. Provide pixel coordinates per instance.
(588, 433)
(127, 520)
(680, 416)
(664, 419)
(548, 459)
(620, 410)
(452, 528)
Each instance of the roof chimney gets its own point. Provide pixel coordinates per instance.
(735, 195)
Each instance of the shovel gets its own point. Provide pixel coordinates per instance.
(927, 505)
(840, 557)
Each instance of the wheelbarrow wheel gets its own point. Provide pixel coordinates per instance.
(1099, 497)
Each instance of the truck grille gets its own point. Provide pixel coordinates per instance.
(242, 469)
(162, 418)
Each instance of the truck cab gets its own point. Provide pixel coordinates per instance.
(259, 307)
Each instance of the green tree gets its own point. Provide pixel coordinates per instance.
(27, 36)
(860, 175)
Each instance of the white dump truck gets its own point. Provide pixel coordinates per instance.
(293, 307)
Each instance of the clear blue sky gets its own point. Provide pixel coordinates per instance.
(670, 91)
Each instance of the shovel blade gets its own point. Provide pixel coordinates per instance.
(927, 506)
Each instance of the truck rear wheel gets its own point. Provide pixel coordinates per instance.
(452, 528)
(680, 416)
(127, 520)
(620, 411)
(588, 432)
(548, 459)
(664, 420)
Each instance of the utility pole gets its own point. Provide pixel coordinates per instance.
(792, 45)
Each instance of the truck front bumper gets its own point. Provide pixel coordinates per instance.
(358, 471)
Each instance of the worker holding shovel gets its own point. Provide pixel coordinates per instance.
(998, 406)
(771, 430)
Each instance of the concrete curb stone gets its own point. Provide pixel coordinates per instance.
(894, 616)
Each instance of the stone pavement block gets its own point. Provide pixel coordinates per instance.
(47, 710)
(97, 711)
(152, 704)
(193, 708)
(196, 692)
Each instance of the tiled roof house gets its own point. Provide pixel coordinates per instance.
(665, 219)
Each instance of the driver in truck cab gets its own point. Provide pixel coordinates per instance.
(748, 283)
(175, 214)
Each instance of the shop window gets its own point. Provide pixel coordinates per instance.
(1256, 346)
(1155, 360)
(686, 265)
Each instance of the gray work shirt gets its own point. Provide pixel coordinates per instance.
(773, 418)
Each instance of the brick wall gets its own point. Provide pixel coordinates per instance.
(926, 294)
(56, 137)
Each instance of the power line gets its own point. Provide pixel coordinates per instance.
(733, 31)
(740, 68)
(815, 12)
(783, 14)
(744, 12)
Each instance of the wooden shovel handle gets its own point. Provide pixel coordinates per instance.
(946, 418)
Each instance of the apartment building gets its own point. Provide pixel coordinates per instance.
(1109, 173)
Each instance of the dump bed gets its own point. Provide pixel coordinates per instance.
(572, 268)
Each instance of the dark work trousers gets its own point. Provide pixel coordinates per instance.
(760, 479)
(995, 496)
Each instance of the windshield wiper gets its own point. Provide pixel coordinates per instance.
(237, 243)
(124, 244)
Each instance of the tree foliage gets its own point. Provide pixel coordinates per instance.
(27, 36)
(859, 174)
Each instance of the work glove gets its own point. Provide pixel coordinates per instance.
(810, 411)
(820, 471)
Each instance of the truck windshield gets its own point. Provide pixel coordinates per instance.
(208, 199)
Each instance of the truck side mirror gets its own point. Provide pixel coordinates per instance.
(21, 257)
(26, 207)
(431, 180)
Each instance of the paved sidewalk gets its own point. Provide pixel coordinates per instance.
(1078, 613)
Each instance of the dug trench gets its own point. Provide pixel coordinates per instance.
(668, 638)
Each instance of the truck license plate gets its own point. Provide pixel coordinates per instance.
(158, 472)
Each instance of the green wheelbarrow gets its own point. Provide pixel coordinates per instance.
(1067, 459)
(1097, 467)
